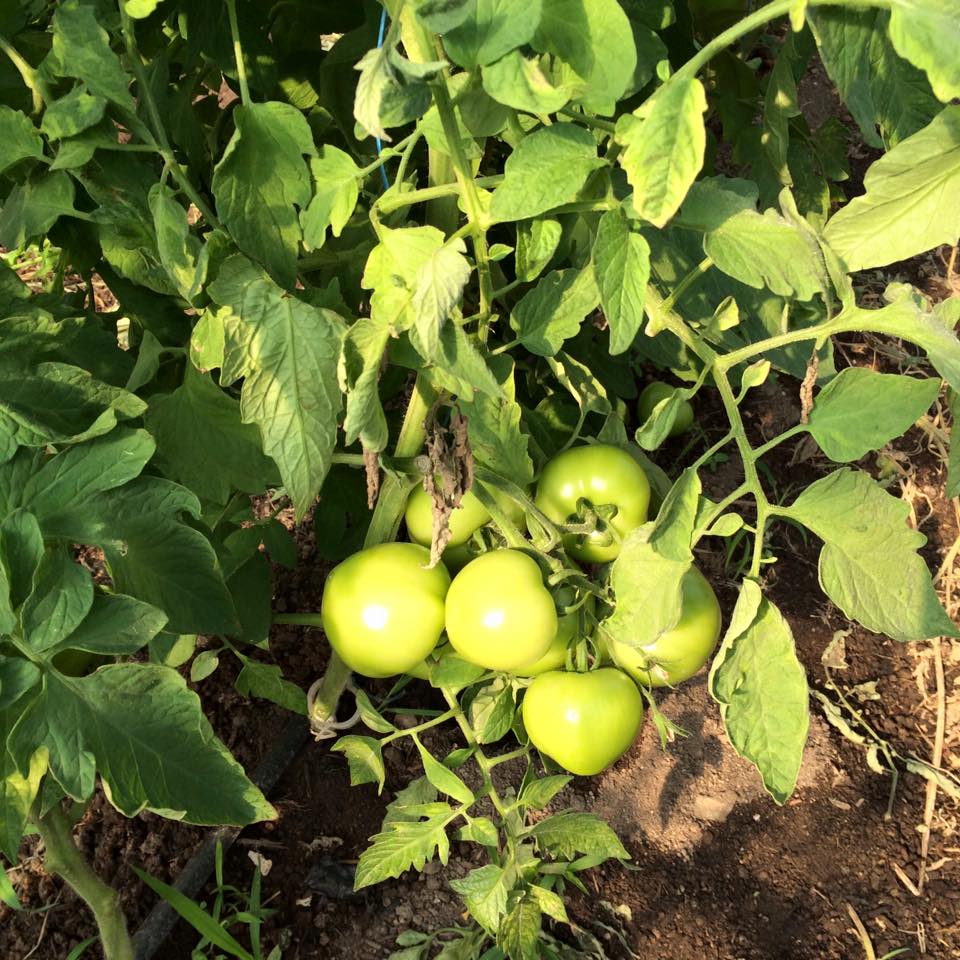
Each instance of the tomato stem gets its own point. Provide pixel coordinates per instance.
(62, 856)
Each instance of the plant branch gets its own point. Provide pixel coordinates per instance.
(156, 121)
(30, 77)
(238, 52)
(64, 858)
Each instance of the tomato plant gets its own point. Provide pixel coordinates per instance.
(301, 257)
(383, 608)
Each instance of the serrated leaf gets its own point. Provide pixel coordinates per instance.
(520, 930)
(484, 892)
(548, 168)
(491, 29)
(152, 554)
(538, 793)
(454, 673)
(381, 99)
(492, 711)
(519, 82)
(879, 87)
(266, 681)
(203, 443)
(537, 241)
(647, 575)
(359, 375)
(335, 194)
(550, 903)
(61, 597)
(81, 49)
(403, 845)
(861, 410)
(665, 149)
(912, 200)
(262, 181)
(566, 834)
(143, 731)
(493, 425)
(927, 33)
(31, 208)
(869, 565)
(766, 251)
(116, 625)
(762, 691)
(19, 138)
(364, 758)
(621, 265)
(595, 38)
(181, 253)
(446, 781)
(480, 830)
(287, 354)
(554, 309)
(438, 288)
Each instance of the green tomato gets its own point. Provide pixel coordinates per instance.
(499, 613)
(679, 653)
(652, 395)
(568, 631)
(602, 475)
(584, 721)
(382, 608)
(470, 516)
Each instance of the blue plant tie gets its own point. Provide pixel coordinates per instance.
(380, 35)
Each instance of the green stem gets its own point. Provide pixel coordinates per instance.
(758, 452)
(30, 77)
(717, 510)
(688, 281)
(238, 52)
(754, 21)
(419, 728)
(471, 201)
(595, 122)
(335, 680)
(395, 201)
(388, 153)
(156, 121)
(64, 858)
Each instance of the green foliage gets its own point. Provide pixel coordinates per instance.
(545, 217)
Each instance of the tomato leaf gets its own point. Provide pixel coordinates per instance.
(287, 353)
(664, 148)
(19, 139)
(403, 844)
(554, 309)
(762, 691)
(869, 565)
(861, 410)
(879, 87)
(335, 195)
(912, 200)
(491, 29)
(446, 781)
(485, 891)
(564, 835)
(621, 265)
(142, 729)
(548, 168)
(520, 930)
(647, 575)
(61, 597)
(262, 181)
(492, 710)
(927, 32)
(520, 82)
(594, 37)
(536, 794)
(364, 758)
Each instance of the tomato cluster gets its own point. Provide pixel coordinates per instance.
(385, 609)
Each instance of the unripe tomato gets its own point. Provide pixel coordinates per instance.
(652, 395)
(584, 721)
(382, 608)
(568, 628)
(602, 475)
(679, 653)
(499, 613)
(468, 517)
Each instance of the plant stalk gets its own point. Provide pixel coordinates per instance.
(64, 858)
